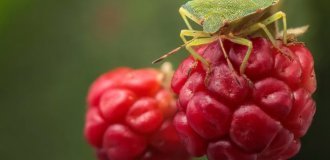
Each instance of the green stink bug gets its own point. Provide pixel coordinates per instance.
(228, 19)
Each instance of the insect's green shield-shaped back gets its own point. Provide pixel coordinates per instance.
(215, 13)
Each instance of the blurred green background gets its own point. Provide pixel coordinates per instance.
(51, 50)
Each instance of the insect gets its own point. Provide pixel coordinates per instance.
(228, 19)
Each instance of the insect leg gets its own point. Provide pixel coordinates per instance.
(244, 42)
(272, 39)
(185, 15)
(269, 35)
(226, 55)
(198, 42)
(192, 33)
(275, 17)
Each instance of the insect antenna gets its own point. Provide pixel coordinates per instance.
(167, 55)
(174, 51)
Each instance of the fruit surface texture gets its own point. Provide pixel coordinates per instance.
(259, 115)
(129, 117)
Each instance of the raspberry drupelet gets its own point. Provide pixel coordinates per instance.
(259, 116)
(129, 117)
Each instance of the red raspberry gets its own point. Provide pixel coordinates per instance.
(258, 117)
(130, 116)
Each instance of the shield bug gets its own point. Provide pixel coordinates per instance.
(233, 20)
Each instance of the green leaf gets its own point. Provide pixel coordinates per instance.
(215, 13)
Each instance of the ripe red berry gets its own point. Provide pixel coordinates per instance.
(259, 116)
(129, 117)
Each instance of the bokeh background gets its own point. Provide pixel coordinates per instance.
(51, 50)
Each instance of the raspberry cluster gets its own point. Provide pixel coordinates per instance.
(259, 116)
(129, 117)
